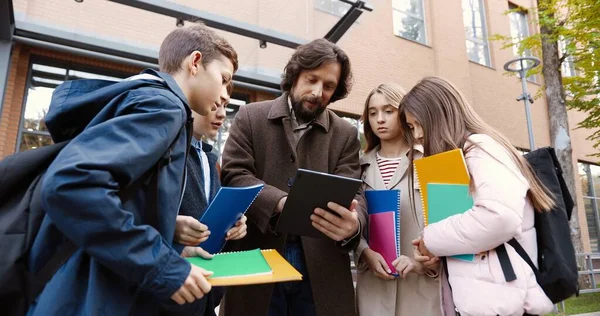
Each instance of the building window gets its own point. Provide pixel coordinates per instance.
(358, 124)
(476, 31)
(237, 100)
(43, 78)
(590, 183)
(568, 64)
(409, 20)
(519, 29)
(335, 7)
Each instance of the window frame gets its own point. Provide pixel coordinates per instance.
(527, 53)
(486, 41)
(348, 6)
(423, 19)
(594, 199)
(567, 67)
(67, 66)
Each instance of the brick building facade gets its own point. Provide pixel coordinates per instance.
(399, 41)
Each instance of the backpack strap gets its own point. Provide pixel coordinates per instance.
(519, 249)
(507, 269)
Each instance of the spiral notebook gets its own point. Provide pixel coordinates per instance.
(447, 167)
(224, 211)
(247, 267)
(446, 200)
(383, 207)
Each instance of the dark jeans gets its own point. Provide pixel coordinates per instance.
(293, 298)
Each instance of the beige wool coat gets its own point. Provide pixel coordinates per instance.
(260, 150)
(415, 295)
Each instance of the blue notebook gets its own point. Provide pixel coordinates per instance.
(224, 211)
(446, 200)
(383, 207)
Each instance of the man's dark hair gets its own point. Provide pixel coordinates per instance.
(182, 41)
(312, 55)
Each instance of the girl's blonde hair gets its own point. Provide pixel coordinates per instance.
(393, 93)
(448, 120)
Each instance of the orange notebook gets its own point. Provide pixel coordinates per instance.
(282, 271)
(447, 167)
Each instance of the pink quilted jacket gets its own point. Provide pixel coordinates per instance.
(501, 211)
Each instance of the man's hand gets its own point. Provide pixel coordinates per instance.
(377, 264)
(281, 204)
(238, 231)
(423, 255)
(405, 265)
(189, 231)
(336, 228)
(194, 287)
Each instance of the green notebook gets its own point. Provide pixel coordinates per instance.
(234, 264)
(445, 200)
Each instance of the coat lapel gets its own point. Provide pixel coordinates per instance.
(400, 172)
(280, 111)
(372, 176)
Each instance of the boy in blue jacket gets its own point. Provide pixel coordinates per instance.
(123, 265)
(201, 188)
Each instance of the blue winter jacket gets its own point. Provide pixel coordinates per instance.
(123, 265)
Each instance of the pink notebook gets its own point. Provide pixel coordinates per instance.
(382, 236)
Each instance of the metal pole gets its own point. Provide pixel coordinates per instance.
(522, 70)
(525, 98)
(5, 50)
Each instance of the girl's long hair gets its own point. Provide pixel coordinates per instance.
(448, 120)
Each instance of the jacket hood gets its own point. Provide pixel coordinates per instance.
(75, 103)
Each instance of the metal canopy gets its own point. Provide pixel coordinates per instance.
(7, 26)
(78, 43)
(81, 40)
(89, 45)
(174, 10)
(342, 26)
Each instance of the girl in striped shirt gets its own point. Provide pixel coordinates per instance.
(385, 166)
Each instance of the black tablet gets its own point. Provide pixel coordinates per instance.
(310, 190)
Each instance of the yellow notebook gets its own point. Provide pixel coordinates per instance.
(447, 167)
(282, 272)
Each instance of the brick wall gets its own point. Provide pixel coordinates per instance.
(377, 56)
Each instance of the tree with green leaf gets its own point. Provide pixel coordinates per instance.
(575, 25)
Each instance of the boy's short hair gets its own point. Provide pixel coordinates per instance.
(230, 87)
(182, 41)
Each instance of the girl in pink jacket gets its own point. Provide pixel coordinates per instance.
(505, 193)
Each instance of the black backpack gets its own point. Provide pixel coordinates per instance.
(21, 216)
(557, 273)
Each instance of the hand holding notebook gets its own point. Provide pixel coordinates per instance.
(446, 200)
(247, 267)
(224, 211)
(444, 183)
(383, 207)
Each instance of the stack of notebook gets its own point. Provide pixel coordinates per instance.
(444, 182)
(383, 207)
(247, 267)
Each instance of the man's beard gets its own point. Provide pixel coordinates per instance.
(306, 115)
